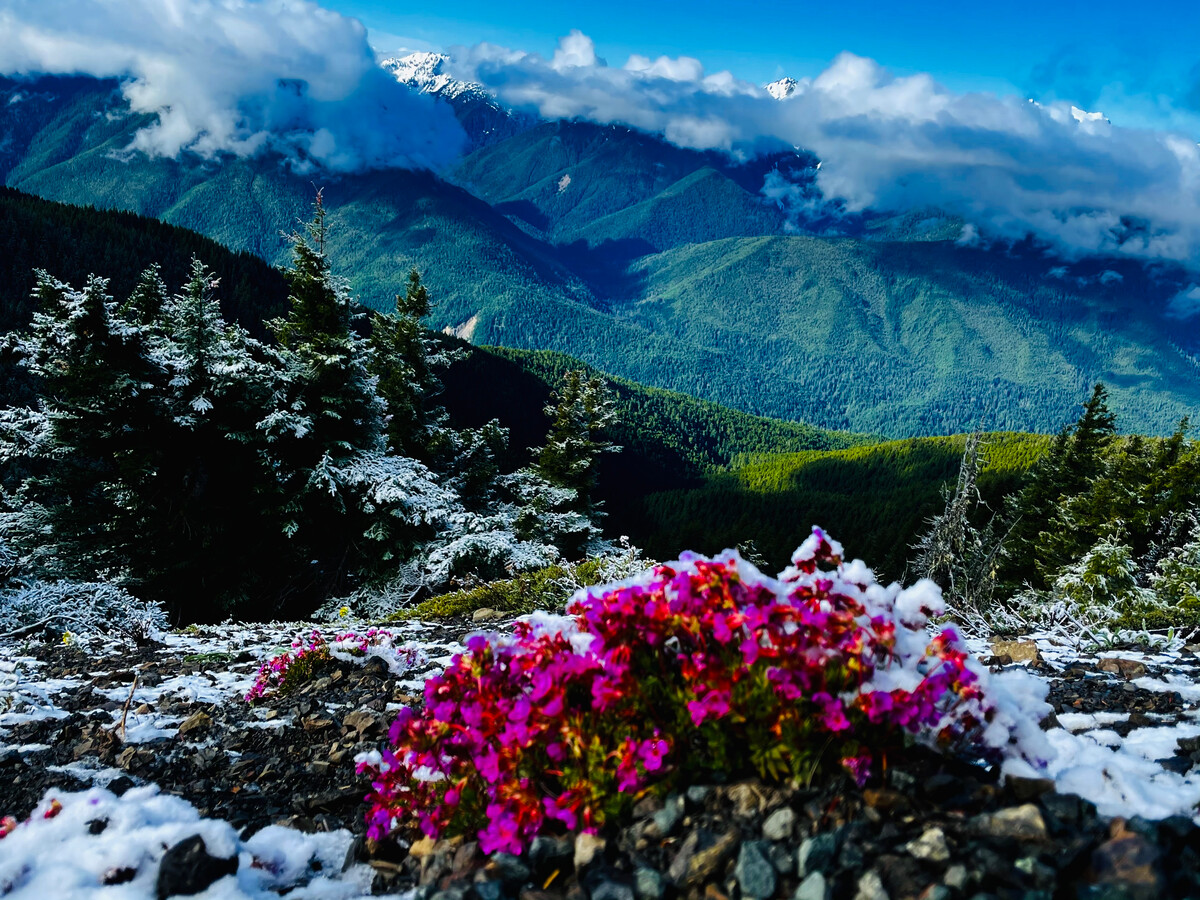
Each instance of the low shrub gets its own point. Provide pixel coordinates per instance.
(544, 588)
(309, 656)
(695, 667)
(81, 609)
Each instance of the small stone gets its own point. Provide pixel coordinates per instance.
(487, 615)
(812, 887)
(698, 794)
(118, 875)
(648, 884)
(754, 873)
(783, 858)
(611, 888)
(955, 877)
(1130, 862)
(507, 868)
(780, 824)
(1025, 790)
(747, 800)
(930, 846)
(936, 892)
(666, 820)
(587, 847)
(885, 800)
(551, 858)
(817, 853)
(1126, 668)
(316, 723)
(187, 868)
(701, 856)
(870, 887)
(1025, 823)
(375, 667)
(362, 722)
(422, 848)
(1018, 651)
(198, 722)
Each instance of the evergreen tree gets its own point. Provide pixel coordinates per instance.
(1075, 458)
(212, 516)
(559, 506)
(579, 410)
(400, 362)
(353, 508)
(91, 447)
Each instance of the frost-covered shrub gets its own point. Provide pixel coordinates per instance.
(697, 666)
(1100, 592)
(287, 671)
(544, 588)
(89, 608)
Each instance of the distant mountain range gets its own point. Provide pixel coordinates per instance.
(677, 269)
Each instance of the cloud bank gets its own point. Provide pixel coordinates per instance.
(237, 76)
(1005, 164)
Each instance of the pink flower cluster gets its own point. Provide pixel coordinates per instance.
(283, 673)
(700, 666)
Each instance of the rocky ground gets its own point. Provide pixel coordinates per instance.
(1127, 725)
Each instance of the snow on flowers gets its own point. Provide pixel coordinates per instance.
(697, 666)
(283, 673)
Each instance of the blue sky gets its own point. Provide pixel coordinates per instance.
(1085, 52)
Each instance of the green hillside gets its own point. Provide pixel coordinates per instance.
(72, 242)
(666, 267)
(670, 440)
(874, 499)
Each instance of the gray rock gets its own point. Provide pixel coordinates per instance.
(667, 819)
(930, 846)
(587, 848)
(700, 856)
(648, 884)
(937, 892)
(1024, 823)
(188, 868)
(754, 873)
(783, 858)
(780, 824)
(814, 887)
(611, 889)
(817, 854)
(509, 869)
(870, 887)
(955, 877)
(697, 794)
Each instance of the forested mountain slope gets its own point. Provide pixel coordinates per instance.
(670, 268)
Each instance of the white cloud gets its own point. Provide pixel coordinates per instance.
(1007, 165)
(236, 76)
(1185, 304)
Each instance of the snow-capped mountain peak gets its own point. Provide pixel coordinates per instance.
(783, 88)
(427, 73)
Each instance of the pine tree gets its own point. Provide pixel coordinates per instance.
(579, 410)
(353, 509)
(1074, 459)
(558, 491)
(400, 363)
(95, 451)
